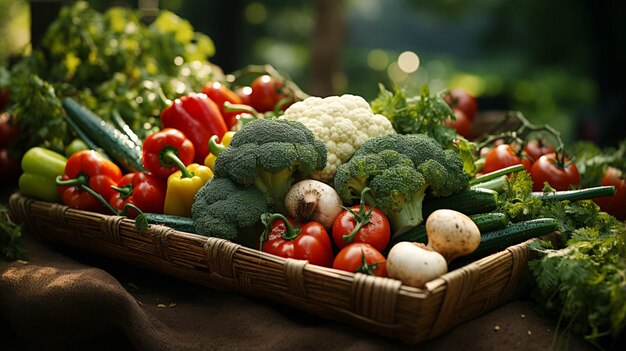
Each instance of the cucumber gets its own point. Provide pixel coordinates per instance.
(121, 125)
(578, 194)
(116, 144)
(180, 223)
(487, 222)
(513, 234)
(469, 202)
(484, 221)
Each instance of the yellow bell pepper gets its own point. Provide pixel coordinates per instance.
(181, 189)
(209, 161)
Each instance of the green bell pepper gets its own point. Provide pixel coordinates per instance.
(41, 167)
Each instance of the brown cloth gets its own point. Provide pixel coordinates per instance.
(64, 299)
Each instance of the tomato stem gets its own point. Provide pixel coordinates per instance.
(366, 268)
(362, 217)
(521, 134)
(291, 232)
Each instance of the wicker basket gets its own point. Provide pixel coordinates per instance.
(379, 305)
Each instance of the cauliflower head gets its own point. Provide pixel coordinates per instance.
(343, 123)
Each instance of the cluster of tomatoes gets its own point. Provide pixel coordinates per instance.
(539, 158)
(546, 165)
(263, 94)
(464, 106)
(359, 235)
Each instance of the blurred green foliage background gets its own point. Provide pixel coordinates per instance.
(559, 62)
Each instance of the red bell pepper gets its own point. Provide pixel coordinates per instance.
(198, 117)
(138, 189)
(165, 151)
(309, 241)
(88, 175)
(220, 93)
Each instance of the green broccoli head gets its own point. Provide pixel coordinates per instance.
(399, 193)
(442, 169)
(230, 211)
(270, 154)
(401, 170)
(397, 188)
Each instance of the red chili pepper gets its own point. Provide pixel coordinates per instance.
(163, 150)
(141, 190)
(88, 175)
(199, 118)
(309, 241)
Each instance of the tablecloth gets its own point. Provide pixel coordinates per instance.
(65, 299)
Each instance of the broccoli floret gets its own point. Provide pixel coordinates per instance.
(441, 168)
(270, 154)
(401, 171)
(230, 211)
(399, 193)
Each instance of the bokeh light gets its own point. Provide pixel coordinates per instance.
(408, 62)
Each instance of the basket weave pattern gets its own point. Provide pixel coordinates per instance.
(379, 305)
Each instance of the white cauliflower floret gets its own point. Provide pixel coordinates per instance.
(343, 123)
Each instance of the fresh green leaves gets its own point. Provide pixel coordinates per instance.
(10, 248)
(420, 114)
(38, 112)
(516, 200)
(424, 114)
(109, 62)
(585, 282)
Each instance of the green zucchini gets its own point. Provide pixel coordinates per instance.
(180, 223)
(513, 234)
(484, 221)
(469, 202)
(116, 144)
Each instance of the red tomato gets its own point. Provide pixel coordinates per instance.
(461, 99)
(308, 242)
(266, 93)
(8, 130)
(350, 259)
(376, 233)
(614, 205)
(220, 93)
(503, 156)
(244, 94)
(547, 169)
(461, 124)
(536, 148)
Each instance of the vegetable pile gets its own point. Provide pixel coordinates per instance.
(133, 120)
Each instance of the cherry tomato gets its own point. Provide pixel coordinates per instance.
(266, 93)
(462, 124)
(376, 233)
(309, 241)
(461, 99)
(8, 130)
(547, 169)
(614, 205)
(220, 93)
(536, 148)
(244, 93)
(503, 156)
(350, 259)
